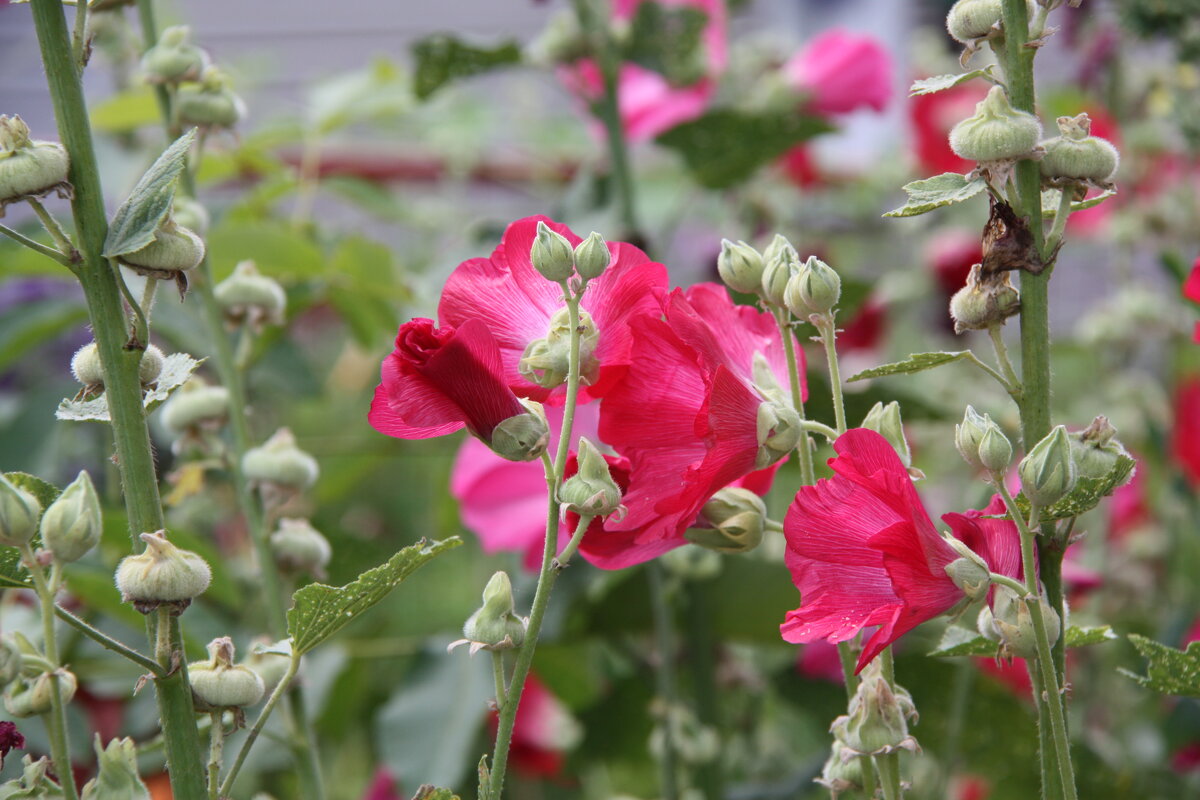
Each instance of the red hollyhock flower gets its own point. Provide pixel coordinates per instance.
(1185, 437)
(686, 417)
(841, 72)
(1191, 286)
(438, 381)
(10, 739)
(383, 787)
(863, 551)
(932, 117)
(543, 732)
(516, 303)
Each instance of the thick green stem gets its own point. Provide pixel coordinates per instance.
(889, 775)
(664, 674)
(807, 473)
(216, 747)
(828, 333)
(498, 677)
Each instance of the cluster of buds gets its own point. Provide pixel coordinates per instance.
(546, 361)
(247, 297)
(778, 277)
(203, 97)
(876, 723)
(219, 684)
(29, 169)
(86, 367)
(1076, 159)
(495, 625)
(556, 260)
(29, 680)
(162, 575)
(982, 442)
(1008, 621)
(70, 527)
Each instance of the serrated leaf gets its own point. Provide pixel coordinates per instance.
(917, 362)
(137, 219)
(726, 147)
(176, 369)
(1170, 671)
(1095, 634)
(666, 40)
(1086, 495)
(319, 611)
(939, 83)
(963, 642)
(442, 58)
(1052, 197)
(428, 792)
(936, 192)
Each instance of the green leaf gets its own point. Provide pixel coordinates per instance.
(917, 362)
(938, 191)
(428, 792)
(725, 147)
(442, 58)
(1052, 197)
(958, 641)
(372, 94)
(319, 611)
(1170, 671)
(29, 325)
(176, 369)
(46, 493)
(1086, 495)
(274, 247)
(127, 111)
(940, 83)
(666, 40)
(12, 572)
(137, 219)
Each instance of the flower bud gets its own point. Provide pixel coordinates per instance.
(738, 519)
(495, 626)
(975, 19)
(249, 297)
(969, 433)
(72, 525)
(780, 262)
(876, 722)
(546, 362)
(1095, 449)
(995, 451)
(117, 778)
(741, 267)
(29, 698)
(523, 437)
(190, 214)
(19, 513)
(209, 104)
(175, 249)
(969, 572)
(997, 131)
(1048, 472)
(34, 783)
(779, 431)
(174, 59)
(592, 256)
(219, 683)
(552, 254)
(885, 420)
(85, 366)
(270, 666)
(1077, 155)
(843, 771)
(196, 406)
(299, 548)
(1008, 621)
(161, 574)
(29, 169)
(10, 661)
(814, 289)
(591, 491)
(280, 463)
(983, 303)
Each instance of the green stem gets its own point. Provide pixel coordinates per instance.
(847, 659)
(48, 252)
(60, 237)
(889, 775)
(710, 777)
(498, 675)
(664, 673)
(581, 527)
(216, 747)
(1060, 219)
(829, 339)
(807, 473)
(108, 642)
(308, 179)
(1013, 391)
(280, 690)
(812, 426)
(147, 302)
(79, 40)
(123, 388)
(1011, 382)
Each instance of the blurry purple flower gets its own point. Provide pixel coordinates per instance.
(383, 787)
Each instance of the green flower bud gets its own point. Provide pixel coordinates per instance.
(299, 548)
(281, 464)
(191, 214)
(843, 771)
(969, 433)
(995, 451)
(249, 297)
(997, 131)
(175, 249)
(780, 262)
(34, 784)
(738, 519)
(1077, 155)
(814, 289)
(983, 303)
(19, 513)
(10, 661)
(1008, 622)
(969, 572)
(72, 525)
(1048, 472)
(174, 59)
(270, 666)
(1095, 449)
(522, 437)
(591, 491)
(495, 626)
(162, 574)
(150, 367)
(196, 406)
(219, 683)
(876, 722)
(552, 254)
(779, 431)
(27, 698)
(86, 367)
(29, 169)
(741, 267)
(592, 256)
(117, 778)
(545, 362)
(885, 420)
(210, 104)
(976, 19)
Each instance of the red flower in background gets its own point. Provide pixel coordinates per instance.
(1185, 436)
(543, 732)
(1191, 290)
(383, 787)
(842, 72)
(865, 329)
(932, 117)
(863, 551)
(10, 739)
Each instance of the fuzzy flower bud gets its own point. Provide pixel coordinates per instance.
(780, 262)
(495, 626)
(270, 666)
(280, 463)
(523, 437)
(1008, 621)
(190, 214)
(1048, 472)
(741, 267)
(975, 19)
(249, 297)
(211, 104)
(592, 256)
(174, 59)
(72, 525)
(1077, 155)
(117, 778)
(779, 431)
(876, 722)
(738, 519)
(175, 250)
(196, 406)
(997, 131)
(10, 661)
(85, 366)
(219, 683)
(885, 420)
(552, 254)
(983, 303)
(814, 289)
(591, 491)
(299, 548)
(162, 574)
(995, 451)
(545, 361)
(27, 698)
(19, 513)
(969, 572)
(1096, 450)
(29, 169)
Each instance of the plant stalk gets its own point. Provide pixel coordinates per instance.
(664, 674)
(828, 333)
(807, 473)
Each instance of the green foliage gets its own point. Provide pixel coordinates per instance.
(319, 611)
(917, 362)
(941, 190)
(12, 573)
(726, 147)
(1086, 495)
(176, 369)
(274, 246)
(126, 111)
(29, 325)
(1170, 671)
(428, 792)
(372, 94)
(137, 219)
(442, 58)
(964, 642)
(939, 83)
(1052, 197)
(666, 39)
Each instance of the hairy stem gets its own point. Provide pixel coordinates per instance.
(216, 747)
(807, 473)
(280, 690)
(828, 333)
(60, 237)
(38, 247)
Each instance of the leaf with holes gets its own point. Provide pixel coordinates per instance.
(958, 641)
(1170, 671)
(137, 219)
(1086, 495)
(941, 190)
(176, 369)
(441, 59)
(320, 611)
(917, 362)
(940, 83)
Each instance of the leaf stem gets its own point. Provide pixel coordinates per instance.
(279, 691)
(79, 40)
(108, 642)
(60, 237)
(825, 327)
(48, 252)
(1060, 220)
(577, 535)
(216, 747)
(1011, 382)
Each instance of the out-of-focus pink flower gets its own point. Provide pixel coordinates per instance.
(383, 787)
(863, 551)
(543, 732)
(1191, 286)
(516, 303)
(969, 787)
(865, 329)
(799, 168)
(932, 116)
(842, 72)
(1128, 510)
(1186, 758)
(1185, 435)
(820, 660)
(950, 255)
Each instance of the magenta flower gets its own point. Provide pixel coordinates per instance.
(842, 72)
(383, 787)
(438, 381)
(517, 304)
(10, 739)
(863, 551)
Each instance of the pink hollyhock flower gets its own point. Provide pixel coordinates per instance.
(950, 256)
(517, 304)
(800, 168)
(438, 381)
(932, 116)
(865, 329)
(543, 732)
(1129, 509)
(686, 416)
(383, 787)
(820, 660)
(842, 72)
(1191, 286)
(863, 551)
(1185, 436)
